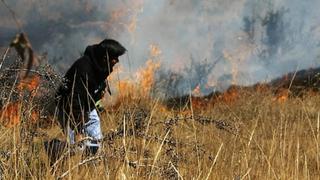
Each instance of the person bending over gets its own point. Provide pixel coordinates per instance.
(84, 85)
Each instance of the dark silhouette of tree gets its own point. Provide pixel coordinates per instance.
(274, 31)
(249, 27)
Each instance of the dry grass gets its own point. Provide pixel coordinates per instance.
(254, 137)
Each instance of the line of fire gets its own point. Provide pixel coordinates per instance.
(167, 89)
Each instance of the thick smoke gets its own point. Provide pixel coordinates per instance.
(237, 42)
(62, 29)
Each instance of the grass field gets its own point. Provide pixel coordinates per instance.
(250, 136)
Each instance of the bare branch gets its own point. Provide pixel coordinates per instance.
(80, 164)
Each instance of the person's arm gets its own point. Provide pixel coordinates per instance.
(98, 95)
(100, 91)
(81, 95)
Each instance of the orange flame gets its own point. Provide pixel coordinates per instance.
(144, 80)
(199, 103)
(34, 116)
(10, 115)
(128, 90)
(30, 84)
(146, 76)
(230, 96)
(281, 95)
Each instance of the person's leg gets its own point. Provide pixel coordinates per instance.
(64, 124)
(71, 136)
(55, 147)
(92, 128)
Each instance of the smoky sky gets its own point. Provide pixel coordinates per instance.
(242, 41)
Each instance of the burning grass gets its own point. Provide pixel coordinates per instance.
(243, 134)
(257, 132)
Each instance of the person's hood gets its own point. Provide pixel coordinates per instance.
(96, 58)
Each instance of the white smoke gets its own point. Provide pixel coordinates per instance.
(211, 30)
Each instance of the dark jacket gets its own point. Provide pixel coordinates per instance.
(83, 85)
(85, 82)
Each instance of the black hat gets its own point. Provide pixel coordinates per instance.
(112, 47)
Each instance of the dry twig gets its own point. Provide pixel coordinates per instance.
(80, 164)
